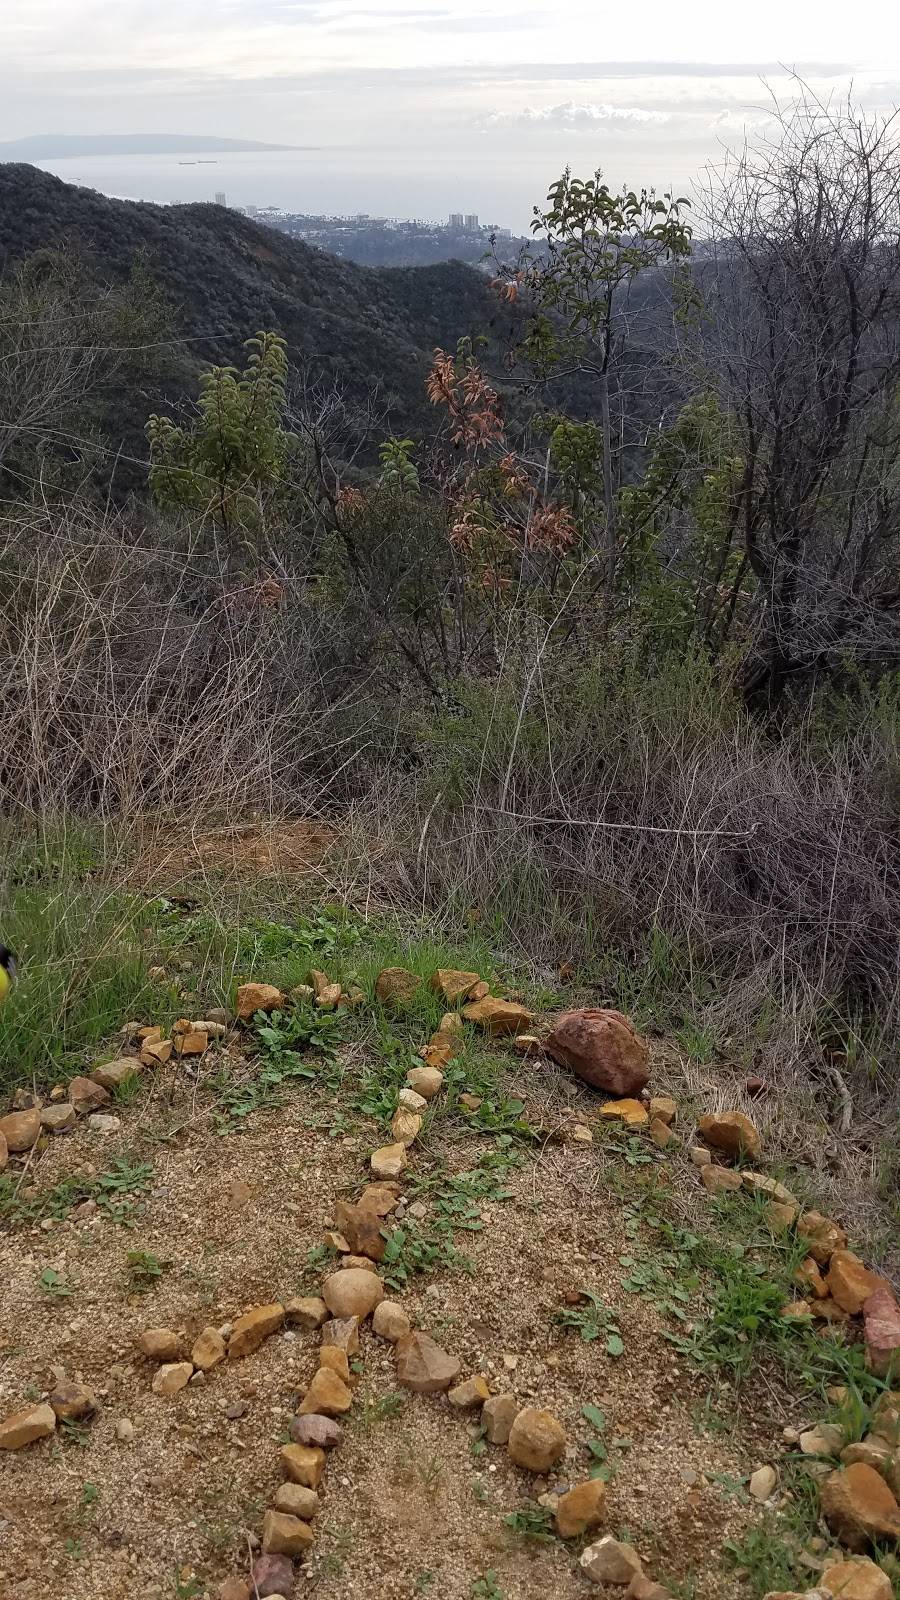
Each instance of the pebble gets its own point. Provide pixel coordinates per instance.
(124, 1430)
(285, 1535)
(161, 1344)
(327, 1395)
(307, 1312)
(581, 1509)
(425, 1081)
(536, 1440)
(389, 1161)
(608, 1561)
(471, 1394)
(172, 1377)
(352, 1293)
(303, 1464)
(423, 1366)
(101, 1122)
(26, 1427)
(390, 1321)
(498, 1415)
(253, 1328)
(316, 1432)
(762, 1483)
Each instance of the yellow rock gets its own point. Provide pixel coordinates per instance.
(171, 1378)
(498, 1017)
(253, 1328)
(857, 1579)
(581, 1509)
(26, 1427)
(731, 1132)
(208, 1349)
(192, 1043)
(405, 1126)
(631, 1112)
(327, 1395)
(253, 997)
(303, 1464)
(536, 1440)
(453, 985)
(664, 1107)
(285, 1535)
(297, 1501)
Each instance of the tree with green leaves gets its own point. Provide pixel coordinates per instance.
(237, 452)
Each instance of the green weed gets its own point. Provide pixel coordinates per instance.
(532, 1521)
(486, 1587)
(592, 1319)
(52, 1283)
(143, 1270)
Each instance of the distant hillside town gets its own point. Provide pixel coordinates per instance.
(389, 241)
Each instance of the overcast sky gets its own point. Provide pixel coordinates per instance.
(648, 91)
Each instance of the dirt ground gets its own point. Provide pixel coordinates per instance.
(408, 1507)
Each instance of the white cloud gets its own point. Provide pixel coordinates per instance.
(574, 117)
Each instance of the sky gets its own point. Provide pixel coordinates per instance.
(504, 93)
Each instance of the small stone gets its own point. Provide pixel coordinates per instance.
(114, 1073)
(253, 997)
(327, 1395)
(21, 1129)
(319, 982)
(307, 1311)
(208, 1349)
(759, 1183)
(411, 1101)
(796, 1311)
(470, 1102)
(124, 1430)
(527, 1044)
(631, 1112)
(762, 1483)
(395, 987)
(389, 1161)
(850, 1282)
(823, 1236)
(172, 1377)
(26, 1427)
(285, 1535)
(700, 1155)
(316, 1432)
(86, 1096)
(72, 1401)
(731, 1132)
(886, 1423)
(234, 1588)
(296, 1501)
(858, 1506)
(536, 1440)
(98, 1122)
(498, 1017)
(362, 1228)
(498, 1415)
(718, 1179)
(779, 1216)
(857, 1579)
(581, 1509)
(873, 1451)
(270, 1576)
(608, 1561)
(664, 1107)
(390, 1321)
(336, 1241)
(423, 1366)
(582, 1134)
(303, 1464)
(808, 1276)
(471, 1394)
(342, 1332)
(193, 1043)
(426, 1081)
(379, 1198)
(453, 985)
(160, 1344)
(641, 1588)
(661, 1133)
(253, 1328)
(352, 1293)
(405, 1126)
(362, 1263)
(827, 1439)
(59, 1118)
(881, 1316)
(329, 997)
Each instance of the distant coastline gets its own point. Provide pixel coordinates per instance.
(64, 146)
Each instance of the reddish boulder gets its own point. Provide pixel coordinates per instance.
(881, 1315)
(603, 1048)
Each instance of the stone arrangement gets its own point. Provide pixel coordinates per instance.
(859, 1498)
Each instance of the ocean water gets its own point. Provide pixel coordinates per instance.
(336, 181)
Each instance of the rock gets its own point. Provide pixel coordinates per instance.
(717, 1179)
(26, 1427)
(808, 1276)
(498, 1415)
(59, 1118)
(881, 1316)
(329, 997)
(631, 1112)
(343, 1332)
(759, 1183)
(253, 997)
(253, 1328)
(731, 1132)
(172, 1377)
(208, 1349)
(823, 1236)
(661, 1133)
(86, 1096)
(307, 1311)
(379, 1198)
(336, 1361)
(303, 1464)
(271, 1575)
(21, 1129)
(362, 1228)
(352, 1293)
(327, 1395)
(498, 1017)
(664, 1107)
(857, 1579)
(603, 1049)
(411, 1101)
(582, 1134)
(285, 1535)
(390, 1321)
(72, 1401)
(581, 1509)
(364, 1263)
(641, 1588)
(296, 1501)
(850, 1282)
(858, 1506)
(536, 1440)
(873, 1451)
(470, 1102)
(886, 1422)
(316, 1432)
(389, 1161)
(528, 1044)
(453, 985)
(827, 1439)
(234, 1589)
(470, 1395)
(796, 1311)
(124, 1430)
(608, 1561)
(795, 1594)
(439, 1056)
(98, 1122)
(113, 1073)
(160, 1344)
(395, 987)
(319, 982)
(156, 1052)
(426, 1081)
(423, 1366)
(762, 1483)
(405, 1126)
(193, 1043)
(700, 1155)
(779, 1216)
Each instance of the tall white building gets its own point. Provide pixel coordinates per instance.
(455, 220)
(472, 221)
(220, 197)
